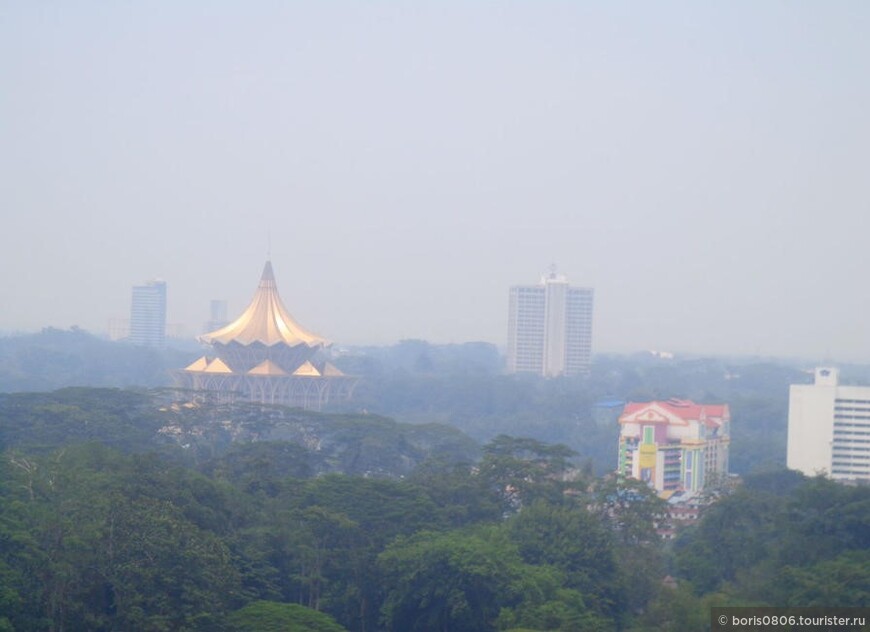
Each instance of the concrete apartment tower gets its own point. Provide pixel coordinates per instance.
(550, 328)
(829, 428)
(148, 315)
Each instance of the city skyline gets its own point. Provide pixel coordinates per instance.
(702, 167)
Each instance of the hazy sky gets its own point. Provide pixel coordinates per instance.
(704, 166)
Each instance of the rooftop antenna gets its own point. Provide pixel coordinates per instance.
(552, 270)
(268, 245)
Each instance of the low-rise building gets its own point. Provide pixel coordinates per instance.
(684, 509)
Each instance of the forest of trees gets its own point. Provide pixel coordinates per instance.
(56, 358)
(464, 386)
(104, 526)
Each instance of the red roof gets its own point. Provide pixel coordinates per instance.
(685, 409)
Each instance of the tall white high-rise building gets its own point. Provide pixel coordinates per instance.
(148, 315)
(829, 428)
(550, 328)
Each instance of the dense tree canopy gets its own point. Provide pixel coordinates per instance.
(91, 538)
(120, 510)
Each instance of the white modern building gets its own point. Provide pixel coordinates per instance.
(148, 315)
(550, 328)
(829, 428)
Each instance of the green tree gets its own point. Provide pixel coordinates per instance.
(841, 582)
(630, 507)
(462, 496)
(576, 542)
(102, 554)
(330, 539)
(734, 535)
(456, 581)
(270, 616)
(631, 510)
(524, 470)
(564, 610)
(674, 609)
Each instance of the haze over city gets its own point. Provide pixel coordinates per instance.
(704, 168)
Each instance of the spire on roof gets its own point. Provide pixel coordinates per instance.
(267, 275)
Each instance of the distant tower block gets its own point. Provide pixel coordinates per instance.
(265, 356)
(829, 428)
(550, 327)
(148, 315)
(217, 315)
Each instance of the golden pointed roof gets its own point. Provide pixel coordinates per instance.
(198, 365)
(331, 369)
(217, 366)
(307, 369)
(267, 367)
(266, 321)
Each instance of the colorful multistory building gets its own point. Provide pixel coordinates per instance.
(675, 445)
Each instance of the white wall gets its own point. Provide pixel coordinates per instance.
(810, 428)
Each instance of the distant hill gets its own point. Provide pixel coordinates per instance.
(418, 357)
(308, 443)
(55, 358)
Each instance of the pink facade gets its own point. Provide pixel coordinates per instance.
(674, 445)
